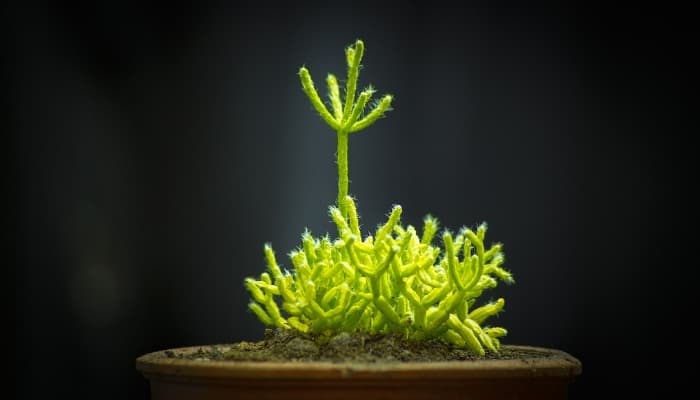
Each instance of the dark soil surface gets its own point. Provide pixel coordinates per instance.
(285, 345)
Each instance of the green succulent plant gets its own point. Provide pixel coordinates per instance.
(394, 281)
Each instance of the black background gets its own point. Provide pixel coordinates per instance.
(158, 147)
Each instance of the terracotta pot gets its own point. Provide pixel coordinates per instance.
(543, 377)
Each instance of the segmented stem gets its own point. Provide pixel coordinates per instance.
(346, 118)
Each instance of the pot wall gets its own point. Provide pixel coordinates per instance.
(546, 376)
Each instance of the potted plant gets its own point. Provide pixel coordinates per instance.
(394, 314)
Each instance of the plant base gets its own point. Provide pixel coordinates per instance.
(544, 374)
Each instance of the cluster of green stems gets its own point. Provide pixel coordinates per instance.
(393, 281)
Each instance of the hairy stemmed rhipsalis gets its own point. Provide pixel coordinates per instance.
(395, 281)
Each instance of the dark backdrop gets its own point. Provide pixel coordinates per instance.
(158, 148)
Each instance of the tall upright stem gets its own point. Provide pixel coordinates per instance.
(347, 118)
(342, 161)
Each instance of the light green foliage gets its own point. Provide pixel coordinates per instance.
(395, 281)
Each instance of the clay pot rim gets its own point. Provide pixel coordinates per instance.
(552, 363)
